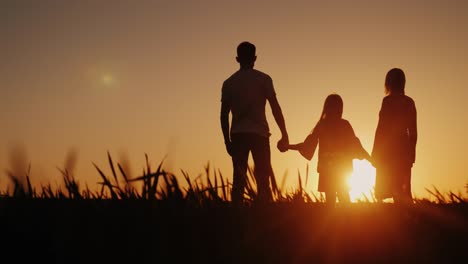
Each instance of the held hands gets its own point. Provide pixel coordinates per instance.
(368, 158)
(283, 144)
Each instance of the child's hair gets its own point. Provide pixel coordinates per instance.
(332, 108)
(395, 81)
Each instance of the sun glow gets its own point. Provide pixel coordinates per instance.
(107, 79)
(362, 181)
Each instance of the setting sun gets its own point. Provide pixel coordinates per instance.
(240, 131)
(107, 79)
(362, 181)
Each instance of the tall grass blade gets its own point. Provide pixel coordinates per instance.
(111, 164)
(106, 182)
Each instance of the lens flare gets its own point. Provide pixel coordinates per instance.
(107, 79)
(362, 181)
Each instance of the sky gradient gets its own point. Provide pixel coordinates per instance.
(136, 77)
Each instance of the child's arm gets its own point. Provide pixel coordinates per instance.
(295, 146)
(357, 147)
(361, 152)
(307, 148)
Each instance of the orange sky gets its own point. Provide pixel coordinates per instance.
(145, 77)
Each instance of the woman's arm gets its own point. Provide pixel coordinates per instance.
(379, 135)
(413, 132)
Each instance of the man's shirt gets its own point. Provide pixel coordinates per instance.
(246, 92)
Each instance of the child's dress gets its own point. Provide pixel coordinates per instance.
(338, 146)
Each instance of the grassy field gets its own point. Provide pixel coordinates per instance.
(152, 219)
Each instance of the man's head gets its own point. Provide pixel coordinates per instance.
(246, 54)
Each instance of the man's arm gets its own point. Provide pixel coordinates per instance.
(278, 114)
(225, 109)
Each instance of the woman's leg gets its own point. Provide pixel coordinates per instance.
(383, 183)
(402, 192)
(406, 186)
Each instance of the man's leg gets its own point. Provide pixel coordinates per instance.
(240, 156)
(262, 160)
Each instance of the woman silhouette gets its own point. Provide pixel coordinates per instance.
(394, 148)
(338, 146)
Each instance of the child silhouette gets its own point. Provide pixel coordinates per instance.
(338, 146)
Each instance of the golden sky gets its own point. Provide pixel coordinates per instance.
(135, 77)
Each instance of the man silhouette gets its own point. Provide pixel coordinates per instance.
(244, 94)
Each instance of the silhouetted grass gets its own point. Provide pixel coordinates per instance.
(163, 217)
(156, 185)
(159, 185)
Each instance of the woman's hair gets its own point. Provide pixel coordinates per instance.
(395, 81)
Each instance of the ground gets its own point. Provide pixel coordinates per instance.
(142, 231)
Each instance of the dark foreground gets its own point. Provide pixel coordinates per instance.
(108, 231)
